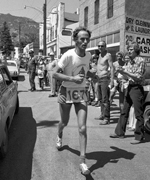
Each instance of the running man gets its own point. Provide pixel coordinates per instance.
(72, 70)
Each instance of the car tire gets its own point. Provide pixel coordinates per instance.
(4, 145)
(147, 119)
(17, 106)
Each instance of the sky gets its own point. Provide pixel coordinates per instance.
(16, 7)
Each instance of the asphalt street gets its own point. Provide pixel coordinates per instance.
(32, 153)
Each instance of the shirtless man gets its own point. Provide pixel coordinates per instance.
(72, 70)
(105, 62)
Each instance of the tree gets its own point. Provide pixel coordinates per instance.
(32, 37)
(6, 44)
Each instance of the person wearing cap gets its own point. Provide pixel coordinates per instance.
(32, 63)
(50, 70)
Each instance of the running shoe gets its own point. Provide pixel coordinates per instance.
(84, 169)
(58, 143)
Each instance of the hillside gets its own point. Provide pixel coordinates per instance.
(29, 29)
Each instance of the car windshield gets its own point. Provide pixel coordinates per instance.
(11, 64)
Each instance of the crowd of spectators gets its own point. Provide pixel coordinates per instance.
(121, 85)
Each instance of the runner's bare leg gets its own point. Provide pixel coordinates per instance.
(81, 111)
(65, 114)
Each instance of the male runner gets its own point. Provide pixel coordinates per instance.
(72, 70)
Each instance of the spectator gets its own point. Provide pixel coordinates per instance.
(104, 62)
(40, 72)
(126, 58)
(119, 81)
(95, 86)
(134, 95)
(50, 70)
(32, 63)
(4, 60)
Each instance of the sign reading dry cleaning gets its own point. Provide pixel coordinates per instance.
(138, 30)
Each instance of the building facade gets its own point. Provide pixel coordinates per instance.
(57, 21)
(118, 22)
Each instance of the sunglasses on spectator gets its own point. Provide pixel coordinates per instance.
(100, 45)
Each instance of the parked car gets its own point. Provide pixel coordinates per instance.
(13, 69)
(9, 106)
(147, 99)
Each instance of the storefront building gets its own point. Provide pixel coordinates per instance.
(118, 23)
(60, 25)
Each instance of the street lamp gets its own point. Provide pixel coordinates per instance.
(25, 7)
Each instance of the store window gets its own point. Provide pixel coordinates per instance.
(86, 17)
(96, 12)
(110, 39)
(110, 8)
(116, 37)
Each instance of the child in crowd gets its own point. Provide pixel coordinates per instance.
(94, 84)
(40, 72)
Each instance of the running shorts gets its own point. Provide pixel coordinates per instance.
(62, 96)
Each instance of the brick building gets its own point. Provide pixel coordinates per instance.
(118, 22)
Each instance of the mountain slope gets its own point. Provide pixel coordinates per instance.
(29, 29)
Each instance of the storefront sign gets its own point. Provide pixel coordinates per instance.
(138, 26)
(138, 30)
(143, 41)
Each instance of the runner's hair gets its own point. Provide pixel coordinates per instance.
(78, 29)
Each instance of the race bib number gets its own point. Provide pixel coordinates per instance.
(76, 95)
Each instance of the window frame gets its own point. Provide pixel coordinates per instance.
(110, 8)
(96, 12)
(86, 9)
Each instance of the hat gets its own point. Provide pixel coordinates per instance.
(31, 51)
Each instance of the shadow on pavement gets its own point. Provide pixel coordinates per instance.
(22, 137)
(47, 123)
(103, 157)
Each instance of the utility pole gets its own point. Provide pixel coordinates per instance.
(19, 35)
(44, 27)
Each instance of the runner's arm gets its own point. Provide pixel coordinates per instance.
(58, 74)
